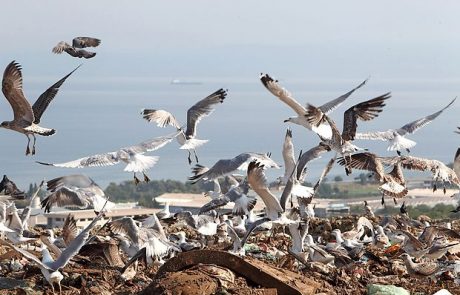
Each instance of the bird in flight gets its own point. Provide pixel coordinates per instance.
(199, 110)
(76, 49)
(27, 117)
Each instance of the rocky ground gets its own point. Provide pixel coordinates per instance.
(267, 269)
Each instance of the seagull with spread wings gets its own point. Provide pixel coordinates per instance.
(227, 166)
(75, 49)
(341, 142)
(323, 130)
(132, 156)
(396, 137)
(197, 112)
(27, 117)
(75, 191)
(49, 267)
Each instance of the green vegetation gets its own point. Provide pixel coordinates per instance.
(144, 193)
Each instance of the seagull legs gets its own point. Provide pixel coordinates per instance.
(189, 157)
(196, 156)
(33, 146)
(28, 143)
(383, 199)
(146, 178)
(136, 180)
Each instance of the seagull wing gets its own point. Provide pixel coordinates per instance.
(26, 254)
(46, 97)
(417, 124)
(364, 161)
(333, 104)
(311, 154)
(77, 180)
(74, 247)
(82, 42)
(126, 226)
(12, 89)
(152, 144)
(378, 135)
(285, 96)
(66, 197)
(325, 172)
(220, 168)
(161, 117)
(457, 163)
(258, 182)
(288, 154)
(364, 111)
(100, 160)
(69, 229)
(214, 204)
(201, 109)
(60, 47)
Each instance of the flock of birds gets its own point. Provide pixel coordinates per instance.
(423, 245)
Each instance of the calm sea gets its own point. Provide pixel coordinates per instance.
(101, 115)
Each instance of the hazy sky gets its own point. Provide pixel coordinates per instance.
(335, 39)
(318, 49)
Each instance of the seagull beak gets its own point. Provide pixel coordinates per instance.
(285, 121)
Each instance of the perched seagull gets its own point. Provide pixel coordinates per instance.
(165, 213)
(197, 112)
(9, 188)
(76, 190)
(341, 142)
(317, 254)
(184, 245)
(49, 267)
(205, 224)
(439, 170)
(422, 269)
(368, 209)
(322, 129)
(396, 137)
(76, 49)
(227, 166)
(26, 117)
(132, 156)
(381, 240)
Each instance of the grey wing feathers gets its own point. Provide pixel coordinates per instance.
(308, 156)
(203, 108)
(26, 254)
(161, 117)
(69, 229)
(417, 124)
(46, 97)
(60, 47)
(64, 197)
(214, 204)
(82, 42)
(288, 153)
(153, 144)
(220, 168)
(12, 89)
(333, 104)
(127, 227)
(378, 135)
(324, 173)
(74, 247)
(91, 161)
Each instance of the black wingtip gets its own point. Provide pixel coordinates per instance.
(43, 163)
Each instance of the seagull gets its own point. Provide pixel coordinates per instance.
(457, 163)
(165, 213)
(422, 269)
(323, 130)
(156, 243)
(396, 137)
(205, 224)
(77, 191)
(132, 156)
(317, 254)
(75, 49)
(9, 188)
(48, 266)
(439, 170)
(197, 112)
(26, 117)
(393, 183)
(368, 209)
(341, 142)
(237, 195)
(227, 166)
(184, 245)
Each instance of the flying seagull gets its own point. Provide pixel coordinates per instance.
(396, 137)
(75, 49)
(341, 142)
(48, 266)
(77, 191)
(9, 188)
(323, 130)
(132, 156)
(227, 166)
(27, 117)
(197, 112)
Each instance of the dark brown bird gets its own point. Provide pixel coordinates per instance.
(9, 188)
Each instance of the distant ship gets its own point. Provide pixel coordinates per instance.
(181, 82)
